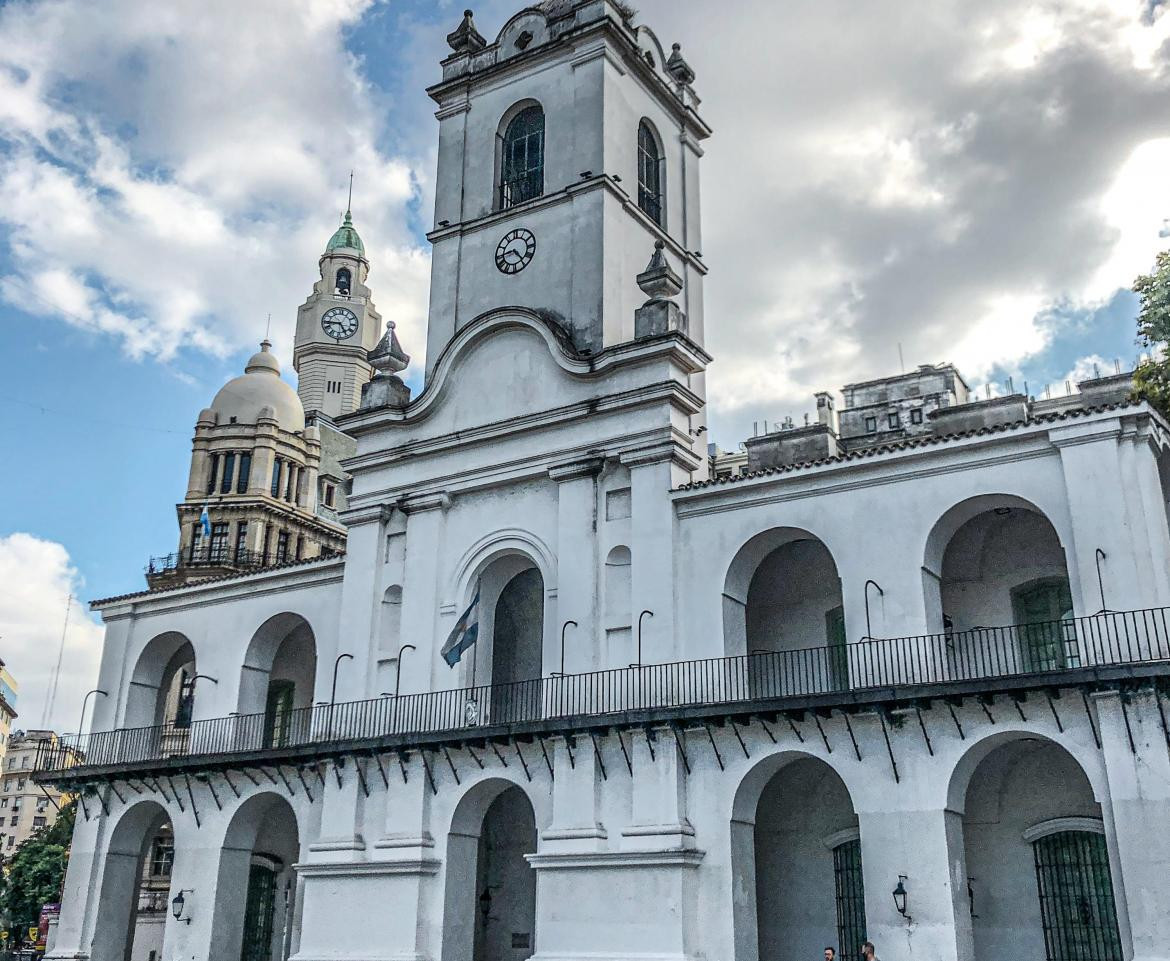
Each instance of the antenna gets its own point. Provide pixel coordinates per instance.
(901, 359)
(268, 326)
(51, 695)
(349, 202)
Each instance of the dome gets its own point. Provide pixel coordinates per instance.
(346, 237)
(245, 398)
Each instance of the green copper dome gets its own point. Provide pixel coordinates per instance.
(346, 236)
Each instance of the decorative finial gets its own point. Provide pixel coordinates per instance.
(678, 68)
(465, 38)
(265, 345)
(268, 326)
(660, 314)
(349, 202)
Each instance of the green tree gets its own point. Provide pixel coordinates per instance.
(35, 873)
(1152, 377)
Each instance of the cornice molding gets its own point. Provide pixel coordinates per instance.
(672, 858)
(341, 869)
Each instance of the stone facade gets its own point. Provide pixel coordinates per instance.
(566, 697)
(24, 807)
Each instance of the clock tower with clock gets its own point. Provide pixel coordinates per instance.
(337, 327)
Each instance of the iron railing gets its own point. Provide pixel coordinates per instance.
(517, 190)
(153, 902)
(1044, 649)
(209, 557)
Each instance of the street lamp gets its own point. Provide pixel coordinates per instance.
(178, 903)
(900, 897)
(561, 672)
(868, 630)
(640, 616)
(333, 689)
(398, 669)
(84, 705)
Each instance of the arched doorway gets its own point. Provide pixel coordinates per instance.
(796, 855)
(277, 682)
(1000, 590)
(160, 700)
(783, 608)
(491, 889)
(136, 886)
(256, 888)
(1039, 877)
(508, 654)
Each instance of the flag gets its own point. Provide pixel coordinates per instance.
(463, 634)
(205, 521)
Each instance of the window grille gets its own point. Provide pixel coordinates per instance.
(522, 160)
(241, 542)
(282, 547)
(649, 173)
(850, 897)
(1077, 909)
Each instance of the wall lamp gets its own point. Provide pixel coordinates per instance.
(178, 905)
(900, 897)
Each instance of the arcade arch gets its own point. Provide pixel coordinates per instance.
(782, 605)
(490, 898)
(997, 560)
(796, 847)
(1035, 853)
(135, 885)
(255, 892)
(277, 681)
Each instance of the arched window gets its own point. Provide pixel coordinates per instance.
(649, 173)
(522, 159)
(343, 281)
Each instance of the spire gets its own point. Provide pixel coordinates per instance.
(349, 201)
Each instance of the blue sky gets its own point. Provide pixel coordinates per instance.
(973, 185)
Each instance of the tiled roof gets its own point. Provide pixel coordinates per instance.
(158, 591)
(925, 440)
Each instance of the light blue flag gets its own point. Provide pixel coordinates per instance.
(463, 634)
(205, 521)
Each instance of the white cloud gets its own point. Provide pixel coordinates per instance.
(38, 577)
(173, 171)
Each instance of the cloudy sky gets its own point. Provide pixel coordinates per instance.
(898, 181)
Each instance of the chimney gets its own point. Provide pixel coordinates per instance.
(827, 411)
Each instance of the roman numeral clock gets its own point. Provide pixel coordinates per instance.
(515, 251)
(339, 323)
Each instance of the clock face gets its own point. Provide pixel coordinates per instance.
(515, 251)
(339, 323)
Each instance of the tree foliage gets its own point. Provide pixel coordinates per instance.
(1152, 378)
(35, 873)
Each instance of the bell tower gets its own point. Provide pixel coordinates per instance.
(568, 148)
(337, 327)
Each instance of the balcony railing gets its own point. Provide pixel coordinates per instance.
(1045, 650)
(209, 557)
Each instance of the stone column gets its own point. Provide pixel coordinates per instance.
(263, 457)
(577, 588)
(1138, 817)
(926, 846)
(652, 560)
(1102, 519)
(420, 596)
(576, 821)
(200, 460)
(658, 801)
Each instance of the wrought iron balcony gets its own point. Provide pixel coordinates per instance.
(224, 557)
(1105, 646)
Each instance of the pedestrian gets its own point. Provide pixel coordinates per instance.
(830, 954)
(867, 952)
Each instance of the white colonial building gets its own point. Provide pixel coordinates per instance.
(896, 674)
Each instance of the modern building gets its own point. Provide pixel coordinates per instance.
(27, 806)
(8, 688)
(570, 693)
